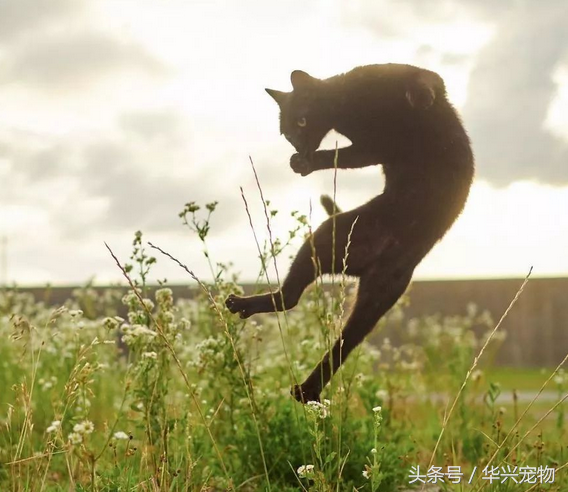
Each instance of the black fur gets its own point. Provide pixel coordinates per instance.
(397, 116)
(329, 205)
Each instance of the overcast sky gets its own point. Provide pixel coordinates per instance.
(116, 113)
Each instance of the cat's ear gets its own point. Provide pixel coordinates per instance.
(301, 80)
(278, 96)
(422, 93)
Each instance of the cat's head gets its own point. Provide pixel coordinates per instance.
(303, 118)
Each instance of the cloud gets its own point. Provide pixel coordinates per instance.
(74, 60)
(137, 178)
(510, 91)
(23, 17)
(153, 124)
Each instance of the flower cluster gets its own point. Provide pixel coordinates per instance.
(305, 471)
(317, 409)
(209, 350)
(80, 431)
(165, 299)
(55, 425)
(134, 333)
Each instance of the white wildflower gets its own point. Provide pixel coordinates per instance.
(410, 366)
(135, 316)
(88, 426)
(207, 346)
(366, 474)
(165, 297)
(136, 331)
(374, 451)
(46, 385)
(56, 424)
(360, 379)
(374, 352)
(129, 298)
(121, 436)
(150, 355)
(471, 309)
(396, 354)
(141, 331)
(305, 470)
(319, 410)
(85, 427)
(78, 428)
(75, 438)
(476, 375)
(76, 313)
(382, 394)
(560, 378)
(377, 416)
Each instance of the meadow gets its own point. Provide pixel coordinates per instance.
(180, 395)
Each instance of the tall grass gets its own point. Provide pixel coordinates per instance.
(180, 395)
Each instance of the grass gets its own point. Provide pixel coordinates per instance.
(519, 378)
(183, 396)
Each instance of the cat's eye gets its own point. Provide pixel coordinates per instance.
(302, 122)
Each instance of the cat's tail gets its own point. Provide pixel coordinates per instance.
(329, 205)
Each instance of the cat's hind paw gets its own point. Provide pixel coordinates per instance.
(304, 395)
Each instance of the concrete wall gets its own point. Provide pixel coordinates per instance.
(537, 327)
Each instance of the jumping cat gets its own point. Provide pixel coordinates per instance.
(397, 116)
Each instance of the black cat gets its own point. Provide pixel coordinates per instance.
(397, 116)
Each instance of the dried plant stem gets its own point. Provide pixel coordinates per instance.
(340, 322)
(247, 384)
(35, 457)
(269, 229)
(474, 365)
(333, 218)
(293, 379)
(526, 434)
(175, 357)
(516, 424)
(565, 465)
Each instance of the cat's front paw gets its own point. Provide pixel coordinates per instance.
(300, 165)
(239, 305)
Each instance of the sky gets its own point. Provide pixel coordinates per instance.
(117, 113)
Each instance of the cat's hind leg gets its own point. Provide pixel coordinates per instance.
(378, 292)
(304, 270)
